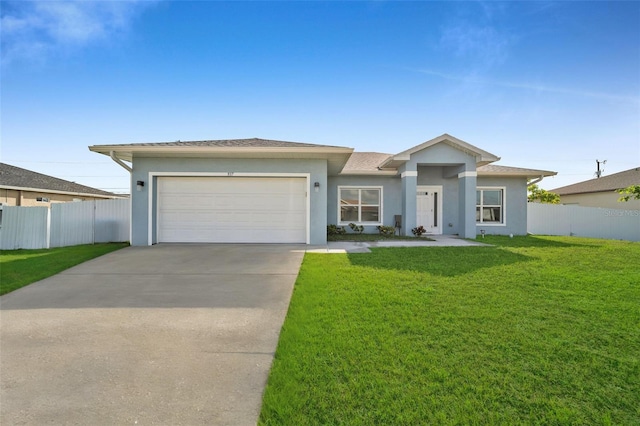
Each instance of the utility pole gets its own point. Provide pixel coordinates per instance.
(599, 172)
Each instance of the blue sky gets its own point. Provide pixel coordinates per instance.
(549, 85)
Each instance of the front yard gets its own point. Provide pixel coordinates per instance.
(535, 330)
(21, 267)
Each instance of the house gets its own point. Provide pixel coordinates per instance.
(22, 187)
(601, 192)
(256, 190)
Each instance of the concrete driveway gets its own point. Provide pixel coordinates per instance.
(166, 335)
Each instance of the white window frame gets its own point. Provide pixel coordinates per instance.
(360, 188)
(503, 207)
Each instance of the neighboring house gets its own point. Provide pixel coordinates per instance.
(601, 192)
(264, 191)
(21, 187)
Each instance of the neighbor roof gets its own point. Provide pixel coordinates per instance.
(602, 184)
(12, 177)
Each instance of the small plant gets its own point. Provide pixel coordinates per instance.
(386, 230)
(418, 231)
(336, 230)
(356, 228)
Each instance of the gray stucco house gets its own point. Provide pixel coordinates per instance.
(266, 191)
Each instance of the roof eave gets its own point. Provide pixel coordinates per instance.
(127, 152)
(484, 160)
(394, 161)
(106, 149)
(543, 173)
(370, 173)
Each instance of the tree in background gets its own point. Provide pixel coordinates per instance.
(539, 195)
(629, 193)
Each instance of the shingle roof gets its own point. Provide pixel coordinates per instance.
(603, 184)
(364, 162)
(496, 169)
(232, 143)
(17, 177)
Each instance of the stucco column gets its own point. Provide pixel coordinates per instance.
(409, 194)
(467, 203)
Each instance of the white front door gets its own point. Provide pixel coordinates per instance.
(429, 208)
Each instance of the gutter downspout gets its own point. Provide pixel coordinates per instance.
(533, 182)
(112, 154)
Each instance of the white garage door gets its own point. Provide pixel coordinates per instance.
(232, 210)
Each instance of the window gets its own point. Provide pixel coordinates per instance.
(360, 205)
(490, 206)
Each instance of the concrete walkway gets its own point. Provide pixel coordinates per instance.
(363, 247)
(164, 335)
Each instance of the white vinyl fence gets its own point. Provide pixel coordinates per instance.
(594, 222)
(65, 224)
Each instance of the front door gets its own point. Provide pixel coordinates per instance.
(429, 208)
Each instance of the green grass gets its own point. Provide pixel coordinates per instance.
(535, 330)
(22, 267)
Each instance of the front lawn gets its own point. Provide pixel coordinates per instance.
(21, 267)
(535, 330)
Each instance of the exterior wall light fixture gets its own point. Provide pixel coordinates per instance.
(317, 186)
(139, 185)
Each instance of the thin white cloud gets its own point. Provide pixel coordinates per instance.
(482, 44)
(475, 35)
(32, 30)
(473, 79)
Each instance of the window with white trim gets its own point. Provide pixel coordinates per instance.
(362, 205)
(490, 206)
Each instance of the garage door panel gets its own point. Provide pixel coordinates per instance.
(220, 209)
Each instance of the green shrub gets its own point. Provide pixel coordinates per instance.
(336, 230)
(419, 231)
(386, 230)
(359, 229)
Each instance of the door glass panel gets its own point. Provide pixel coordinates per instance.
(370, 214)
(370, 196)
(435, 209)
